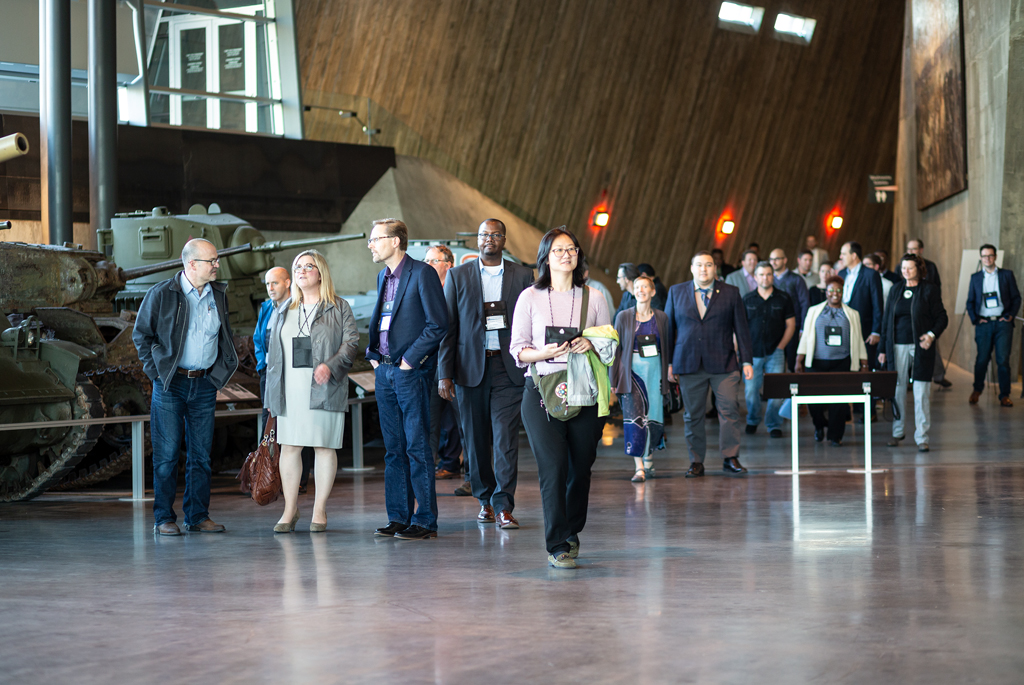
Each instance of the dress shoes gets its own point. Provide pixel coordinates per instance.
(207, 526)
(894, 441)
(733, 467)
(416, 533)
(486, 514)
(506, 521)
(923, 447)
(750, 429)
(464, 490)
(169, 528)
(836, 443)
(696, 470)
(819, 435)
(975, 396)
(389, 530)
(944, 383)
(317, 527)
(1005, 402)
(444, 474)
(776, 433)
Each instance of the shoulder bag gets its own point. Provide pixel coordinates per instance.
(261, 474)
(554, 387)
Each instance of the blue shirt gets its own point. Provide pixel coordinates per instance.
(259, 336)
(200, 349)
(490, 281)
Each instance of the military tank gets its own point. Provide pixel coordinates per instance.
(69, 353)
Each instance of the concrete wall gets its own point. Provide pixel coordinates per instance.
(973, 217)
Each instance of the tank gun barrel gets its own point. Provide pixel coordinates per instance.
(12, 146)
(276, 246)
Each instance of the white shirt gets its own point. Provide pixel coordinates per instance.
(849, 282)
(990, 284)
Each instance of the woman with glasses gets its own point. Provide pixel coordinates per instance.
(312, 344)
(545, 313)
(640, 376)
(914, 316)
(832, 341)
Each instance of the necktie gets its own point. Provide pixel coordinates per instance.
(705, 295)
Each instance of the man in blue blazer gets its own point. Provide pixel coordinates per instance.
(704, 315)
(992, 301)
(862, 291)
(409, 321)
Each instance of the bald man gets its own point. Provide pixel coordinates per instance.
(279, 283)
(184, 342)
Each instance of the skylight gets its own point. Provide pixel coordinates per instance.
(743, 18)
(794, 29)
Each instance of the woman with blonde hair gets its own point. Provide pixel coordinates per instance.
(313, 342)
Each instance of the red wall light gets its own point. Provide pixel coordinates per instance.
(725, 225)
(601, 217)
(834, 220)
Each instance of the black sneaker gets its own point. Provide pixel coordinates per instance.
(751, 429)
(776, 433)
(416, 533)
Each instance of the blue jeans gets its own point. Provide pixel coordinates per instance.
(762, 365)
(403, 402)
(187, 407)
(994, 335)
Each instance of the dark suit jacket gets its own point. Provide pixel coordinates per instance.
(867, 299)
(1008, 293)
(708, 341)
(926, 314)
(462, 356)
(419, 319)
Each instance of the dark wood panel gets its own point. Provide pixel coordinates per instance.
(549, 103)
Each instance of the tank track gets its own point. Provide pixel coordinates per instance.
(113, 453)
(64, 455)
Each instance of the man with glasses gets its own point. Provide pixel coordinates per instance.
(993, 300)
(793, 285)
(184, 342)
(478, 371)
(406, 328)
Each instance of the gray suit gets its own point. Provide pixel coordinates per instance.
(738, 279)
(488, 389)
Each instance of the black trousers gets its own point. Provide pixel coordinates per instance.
(565, 453)
(834, 416)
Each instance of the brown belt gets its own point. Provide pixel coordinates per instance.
(492, 353)
(193, 373)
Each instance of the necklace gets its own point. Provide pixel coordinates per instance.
(572, 307)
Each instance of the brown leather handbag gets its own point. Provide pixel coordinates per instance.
(261, 473)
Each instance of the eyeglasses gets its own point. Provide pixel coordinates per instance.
(371, 241)
(305, 268)
(834, 291)
(490, 236)
(559, 251)
(215, 260)
(988, 255)
(435, 262)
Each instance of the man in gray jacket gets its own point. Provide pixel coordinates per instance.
(184, 342)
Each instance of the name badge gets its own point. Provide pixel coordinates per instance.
(495, 316)
(302, 353)
(991, 300)
(833, 336)
(385, 317)
(648, 345)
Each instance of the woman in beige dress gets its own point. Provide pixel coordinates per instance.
(312, 344)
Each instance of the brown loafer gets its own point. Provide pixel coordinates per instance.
(169, 528)
(1006, 402)
(486, 514)
(975, 396)
(506, 521)
(444, 474)
(207, 526)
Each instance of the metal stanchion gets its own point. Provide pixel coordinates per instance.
(138, 463)
(356, 407)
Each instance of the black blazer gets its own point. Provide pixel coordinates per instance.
(1008, 293)
(419, 320)
(622, 366)
(866, 298)
(927, 314)
(462, 355)
(708, 341)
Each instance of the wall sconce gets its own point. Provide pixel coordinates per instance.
(728, 227)
(601, 218)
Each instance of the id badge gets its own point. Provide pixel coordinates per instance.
(302, 353)
(495, 316)
(385, 317)
(991, 300)
(648, 345)
(833, 336)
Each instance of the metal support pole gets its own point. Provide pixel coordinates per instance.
(357, 439)
(55, 118)
(102, 113)
(138, 463)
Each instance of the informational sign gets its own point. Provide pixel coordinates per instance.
(881, 189)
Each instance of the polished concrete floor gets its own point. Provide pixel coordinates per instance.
(914, 575)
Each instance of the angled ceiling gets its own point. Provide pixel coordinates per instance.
(553, 103)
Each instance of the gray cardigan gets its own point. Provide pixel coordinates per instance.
(622, 367)
(335, 343)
